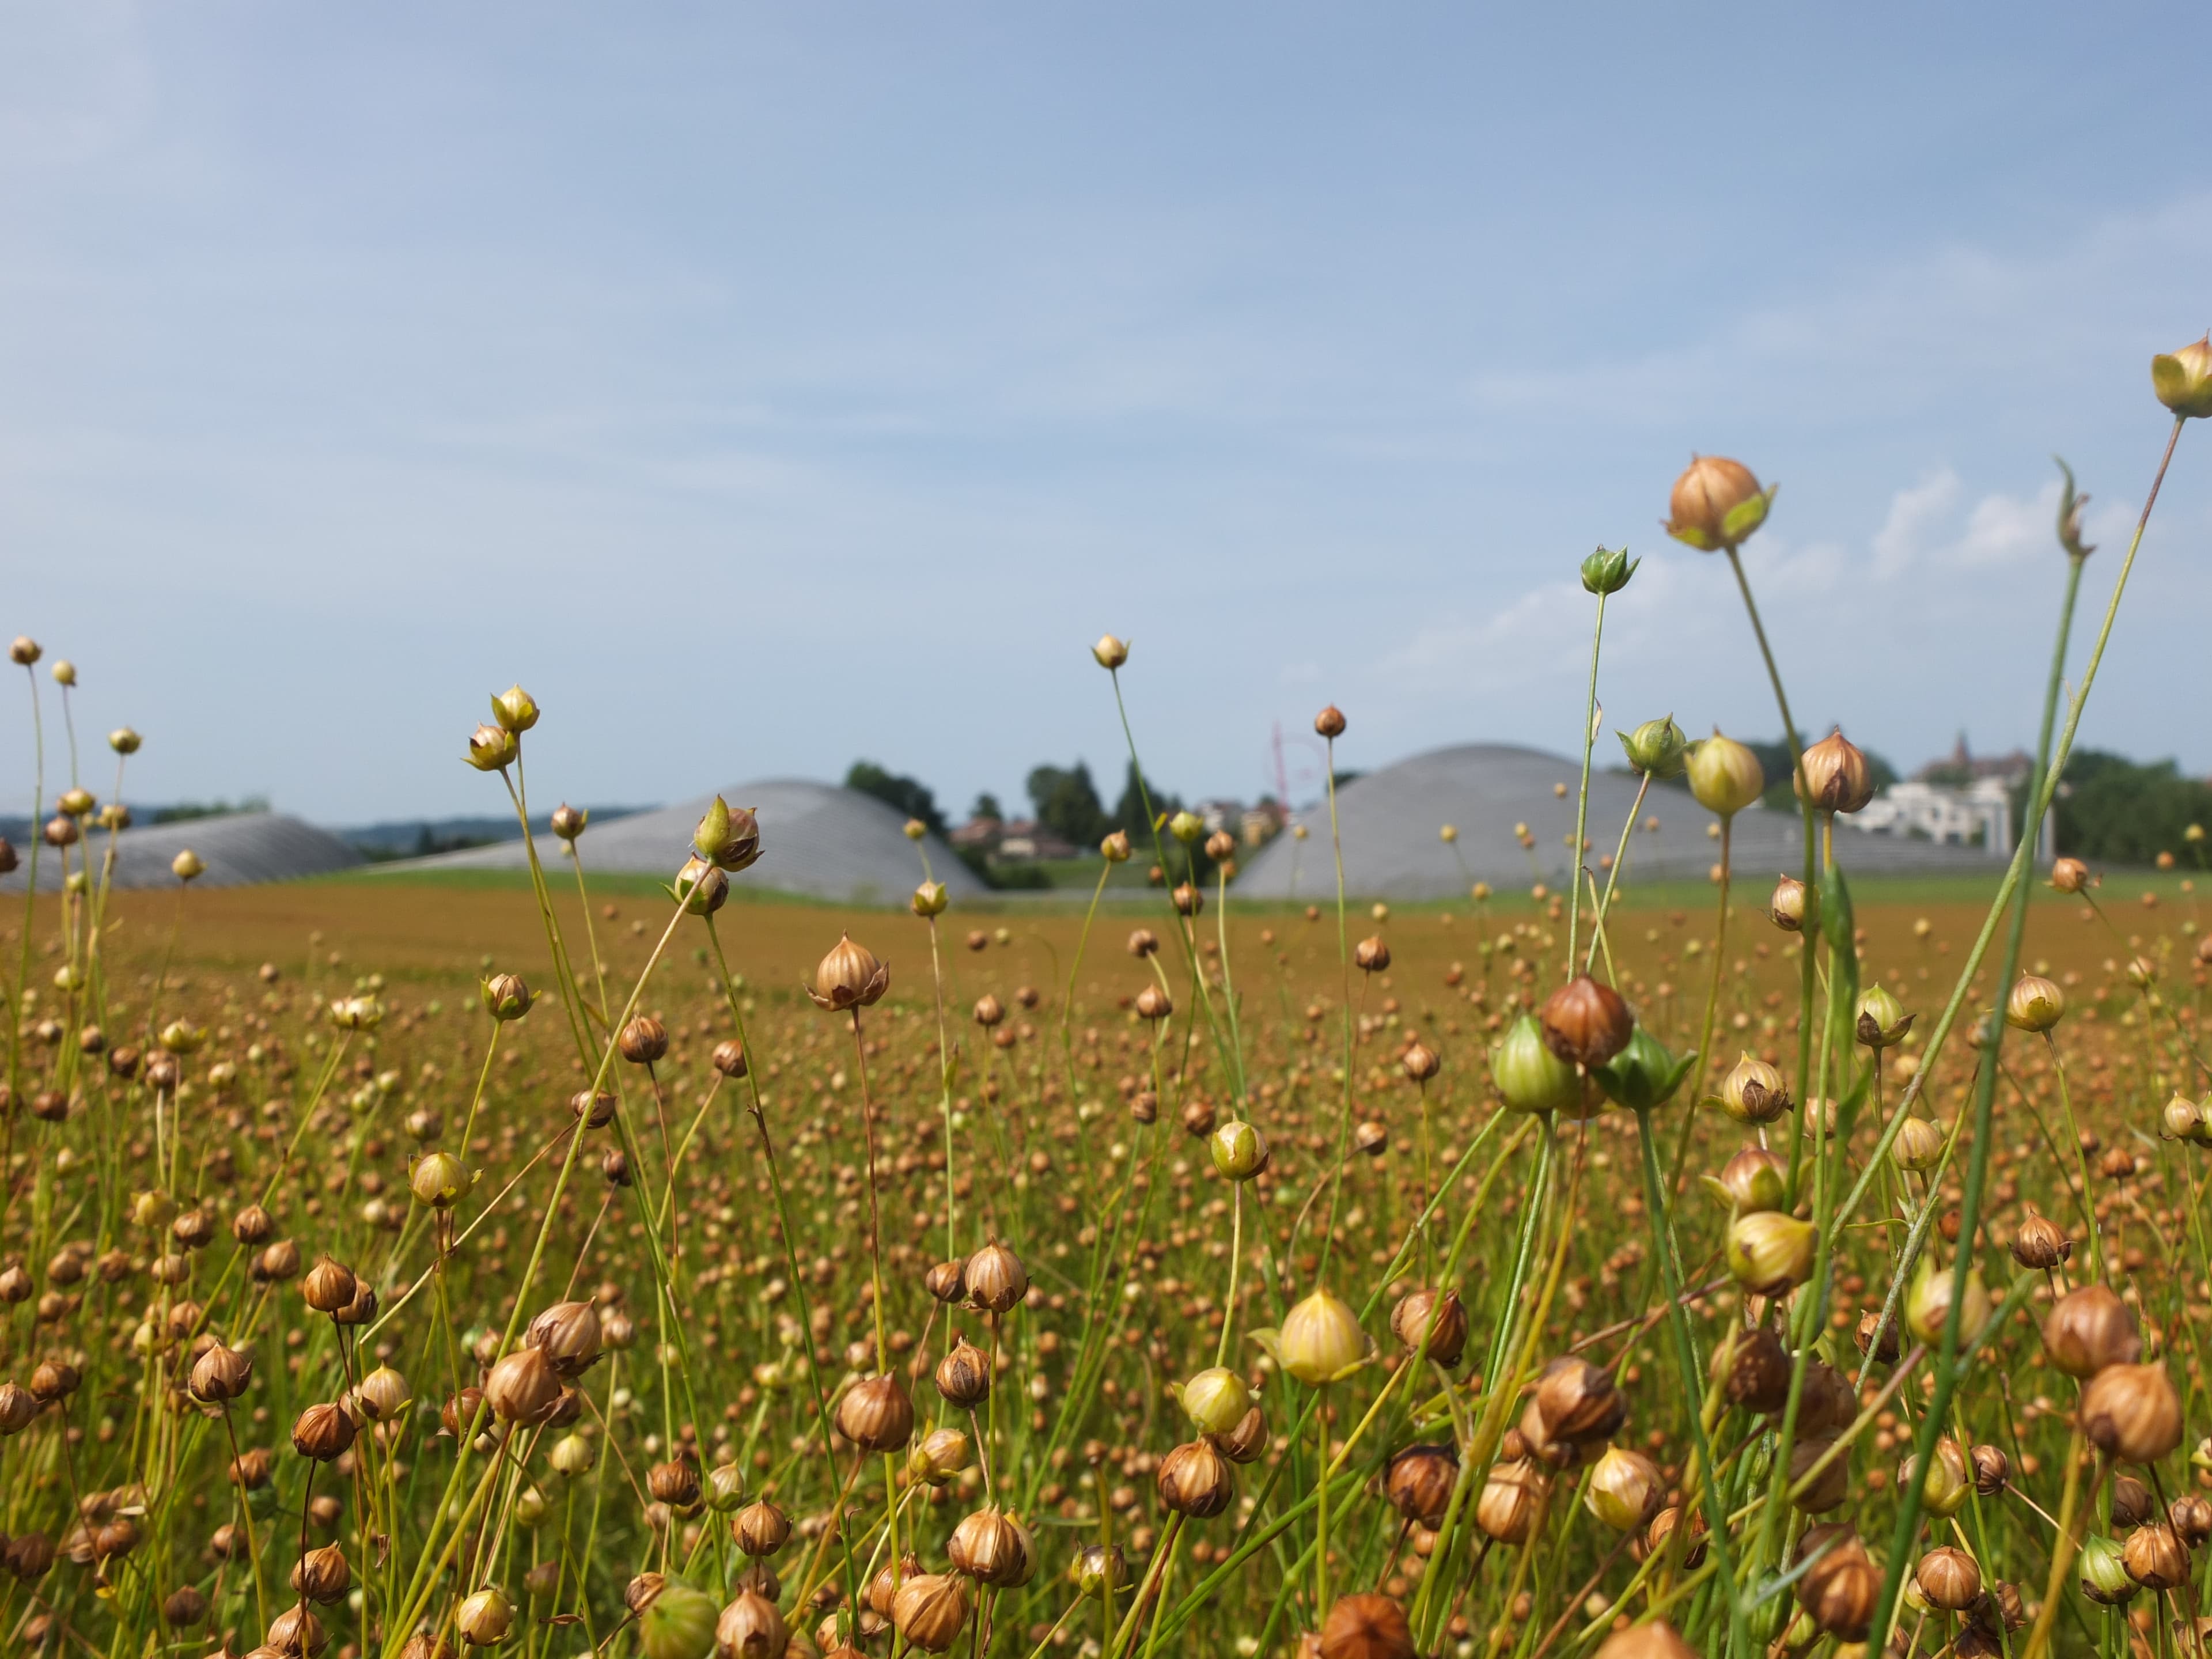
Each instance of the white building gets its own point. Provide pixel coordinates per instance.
(1977, 814)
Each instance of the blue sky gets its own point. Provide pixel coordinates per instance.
(769, 387)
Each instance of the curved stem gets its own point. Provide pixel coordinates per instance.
(590, 928)
(1581, 800)
(1613, 876)
(571, 999)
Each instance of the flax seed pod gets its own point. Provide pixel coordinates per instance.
(1587, 1023)
(328, 1287)
(1656, 1640)
(1365, 1625)
(1949, 1579)
(1440, 1317)
(992, 1549)
(322, 1575)
(322, 1432)
(875, 1415)
(760, 1528)
(485, 1617)
(1248, 1441)
(1418, 1482)
(996, 1280)
(2132, 1412)
(751, 1627)
(963, 1376)
(929, 1611)
(1506, 1507)
(2088, 1329)
(523, 1388)
(567, 1334)
(2155, 1559)
(2041, 1243)
(1194, 1480)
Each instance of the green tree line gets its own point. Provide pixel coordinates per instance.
(1064, 799)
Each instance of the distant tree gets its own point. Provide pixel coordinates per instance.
(906, 795)
(2115, 811)
(188, 811)
(429, 843)
(987, 806)
(1067, 804)
(1129, 811)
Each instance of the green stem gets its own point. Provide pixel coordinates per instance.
(1228, 985)
(571, 999)
(944, 1095)
(1344, 964)
(2050, 766)
(797, 1279)
(1235, 1262)
(2081, 1155)
(1320, 1511)
(1581, 800)
(590, 928)
(1712, 984)
(30, 888)
(1809, 939)
(1613, 876)
(1686, 1356)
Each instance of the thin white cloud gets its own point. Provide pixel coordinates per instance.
(1900, 543)
(1925, 528)
(2005, 530)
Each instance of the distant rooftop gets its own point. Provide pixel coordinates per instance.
(1962, 766)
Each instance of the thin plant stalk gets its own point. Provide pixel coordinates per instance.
(1582, 799)
(1713, 979)
(1656, 1215)
(2041, 790)
(1809, 939)
(1612, 875)
(30, 886)
(1344, 964)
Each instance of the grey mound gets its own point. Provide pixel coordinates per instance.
(1391, 821)
(816, 839)
(238, 850)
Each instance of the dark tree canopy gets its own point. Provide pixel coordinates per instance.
(1067, 804)
(2115, 811)
(906, 795)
